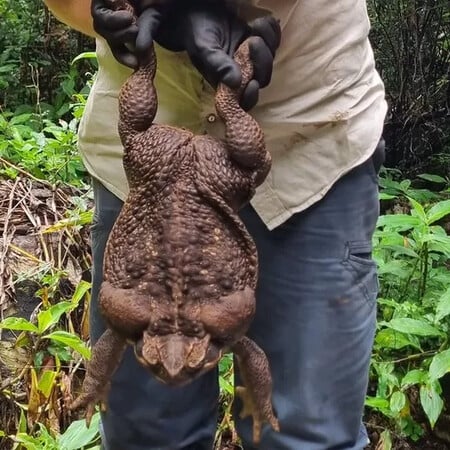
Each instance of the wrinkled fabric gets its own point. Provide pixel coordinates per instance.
(322, 114)
(316, 315)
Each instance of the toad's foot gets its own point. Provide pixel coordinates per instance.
(106, 356)
(91, 396)
(256, 394)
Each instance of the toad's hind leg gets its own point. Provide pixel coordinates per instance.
(256, 394)
(138, 101)
(125, 310)
(244, 137)
(106, 356)
(137, 98)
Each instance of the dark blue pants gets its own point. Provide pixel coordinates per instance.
(316, 308)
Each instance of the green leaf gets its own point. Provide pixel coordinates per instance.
(431, 402)
(7, 68)
(423, 195)
(45, 438)
(413, 326)
(385, 441)
(377, 402)
(397, 268)
(389, 338)
(402, 250)
(418, 209)
(438, 211)
(415, 376)
(226, 386)
(397, 402)
(432, 178)
(437, 230)
(84, 55)
(399, 221)
(405, 185)
(38, 359)
(28, 442)
(78, 435)
(21, 118)
(440, 365)
(71, 341)
(437, 243)
(22, 422)
(46, 382)
(443, 307)
(80, 291)
(51, 316)
(59, 350)
(84, 218)
(384, 196)
(18, 323)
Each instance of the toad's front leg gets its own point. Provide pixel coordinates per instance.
(106, 356)
(256, 394)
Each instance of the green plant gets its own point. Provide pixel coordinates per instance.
(76, 437)
(45, 150)
(226, 384)
(43, 147)
(412, 349)
(35, 54)
(394, 187)
(49, 342)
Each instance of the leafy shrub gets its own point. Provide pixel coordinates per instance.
(35, 55)
(76, 437)
(43, 147)
(51, 343)
(45, 150)
(412, 349)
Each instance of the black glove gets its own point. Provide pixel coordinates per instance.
(210, 34)
(117, 28)
(120, 29)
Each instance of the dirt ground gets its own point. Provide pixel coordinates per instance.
(430, 441)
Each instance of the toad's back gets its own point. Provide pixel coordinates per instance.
(178, 233)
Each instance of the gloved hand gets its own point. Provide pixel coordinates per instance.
(120, 29)
(210, 34)
(117, 28)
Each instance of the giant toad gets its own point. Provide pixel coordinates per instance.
(180, 268)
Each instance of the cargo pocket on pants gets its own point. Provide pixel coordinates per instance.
(358, 260)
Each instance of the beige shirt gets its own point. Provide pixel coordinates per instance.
(322, 114)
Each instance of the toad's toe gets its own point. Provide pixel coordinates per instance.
(259, 415)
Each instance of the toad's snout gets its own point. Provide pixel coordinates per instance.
(175, 358)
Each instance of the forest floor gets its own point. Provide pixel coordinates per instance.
(375, 425)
